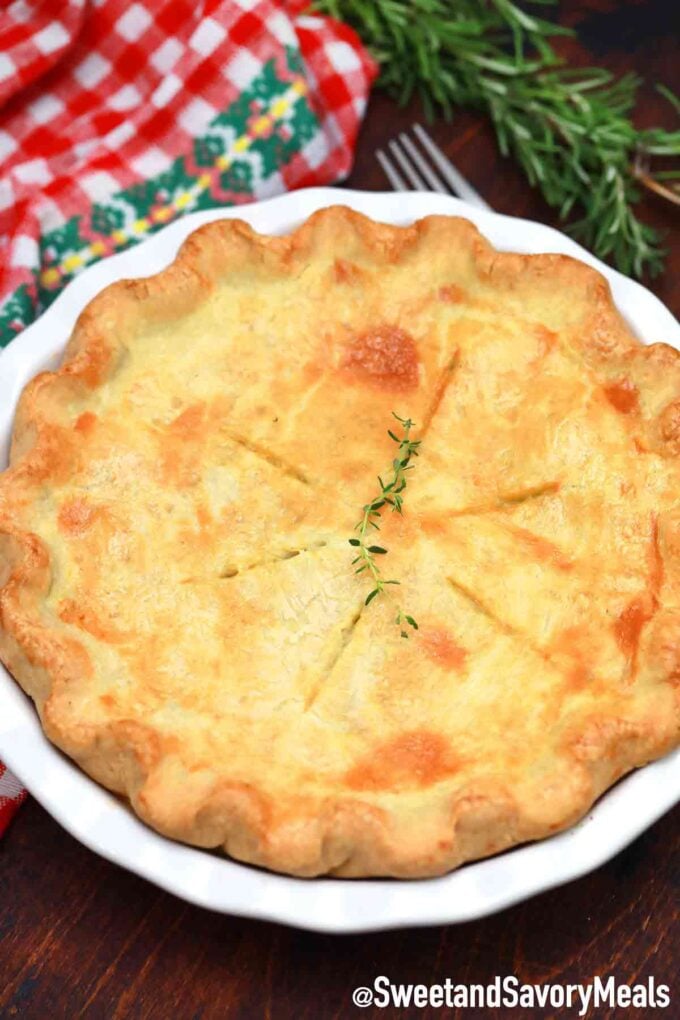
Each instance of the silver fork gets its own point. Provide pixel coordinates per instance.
(419, 172)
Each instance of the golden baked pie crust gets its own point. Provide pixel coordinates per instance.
(175, 584)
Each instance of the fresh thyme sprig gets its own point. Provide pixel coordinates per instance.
(570, 129)
(390, 495)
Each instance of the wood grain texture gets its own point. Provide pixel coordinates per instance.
(81, 938)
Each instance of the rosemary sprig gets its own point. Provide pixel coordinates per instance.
(390, 495)
(570, 129)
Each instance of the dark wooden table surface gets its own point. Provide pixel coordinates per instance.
(81, 938)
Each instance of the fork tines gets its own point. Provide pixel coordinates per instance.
(419, 172)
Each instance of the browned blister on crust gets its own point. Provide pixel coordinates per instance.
(176, 588)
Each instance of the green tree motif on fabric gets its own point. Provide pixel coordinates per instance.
(238, 178)
(15, 314)
(303, 125)
(268, 84)
(206, 150)
(105, 218)
(65, 238)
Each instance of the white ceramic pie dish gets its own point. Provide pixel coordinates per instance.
(103, 823)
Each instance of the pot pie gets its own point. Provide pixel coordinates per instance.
(176, 587)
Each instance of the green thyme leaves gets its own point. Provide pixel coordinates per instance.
(391, 494)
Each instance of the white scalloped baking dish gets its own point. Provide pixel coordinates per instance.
(103, 823)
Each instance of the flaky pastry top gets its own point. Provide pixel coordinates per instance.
(176, 589)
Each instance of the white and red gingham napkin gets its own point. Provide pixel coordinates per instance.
(118, 116)
(12, 796)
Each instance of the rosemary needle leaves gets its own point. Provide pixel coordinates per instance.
(390, 495)
(570, 128)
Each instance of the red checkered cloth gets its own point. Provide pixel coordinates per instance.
(33, 37)
(12, 795)
(117, 117)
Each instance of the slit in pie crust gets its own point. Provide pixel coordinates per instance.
(176, 592)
